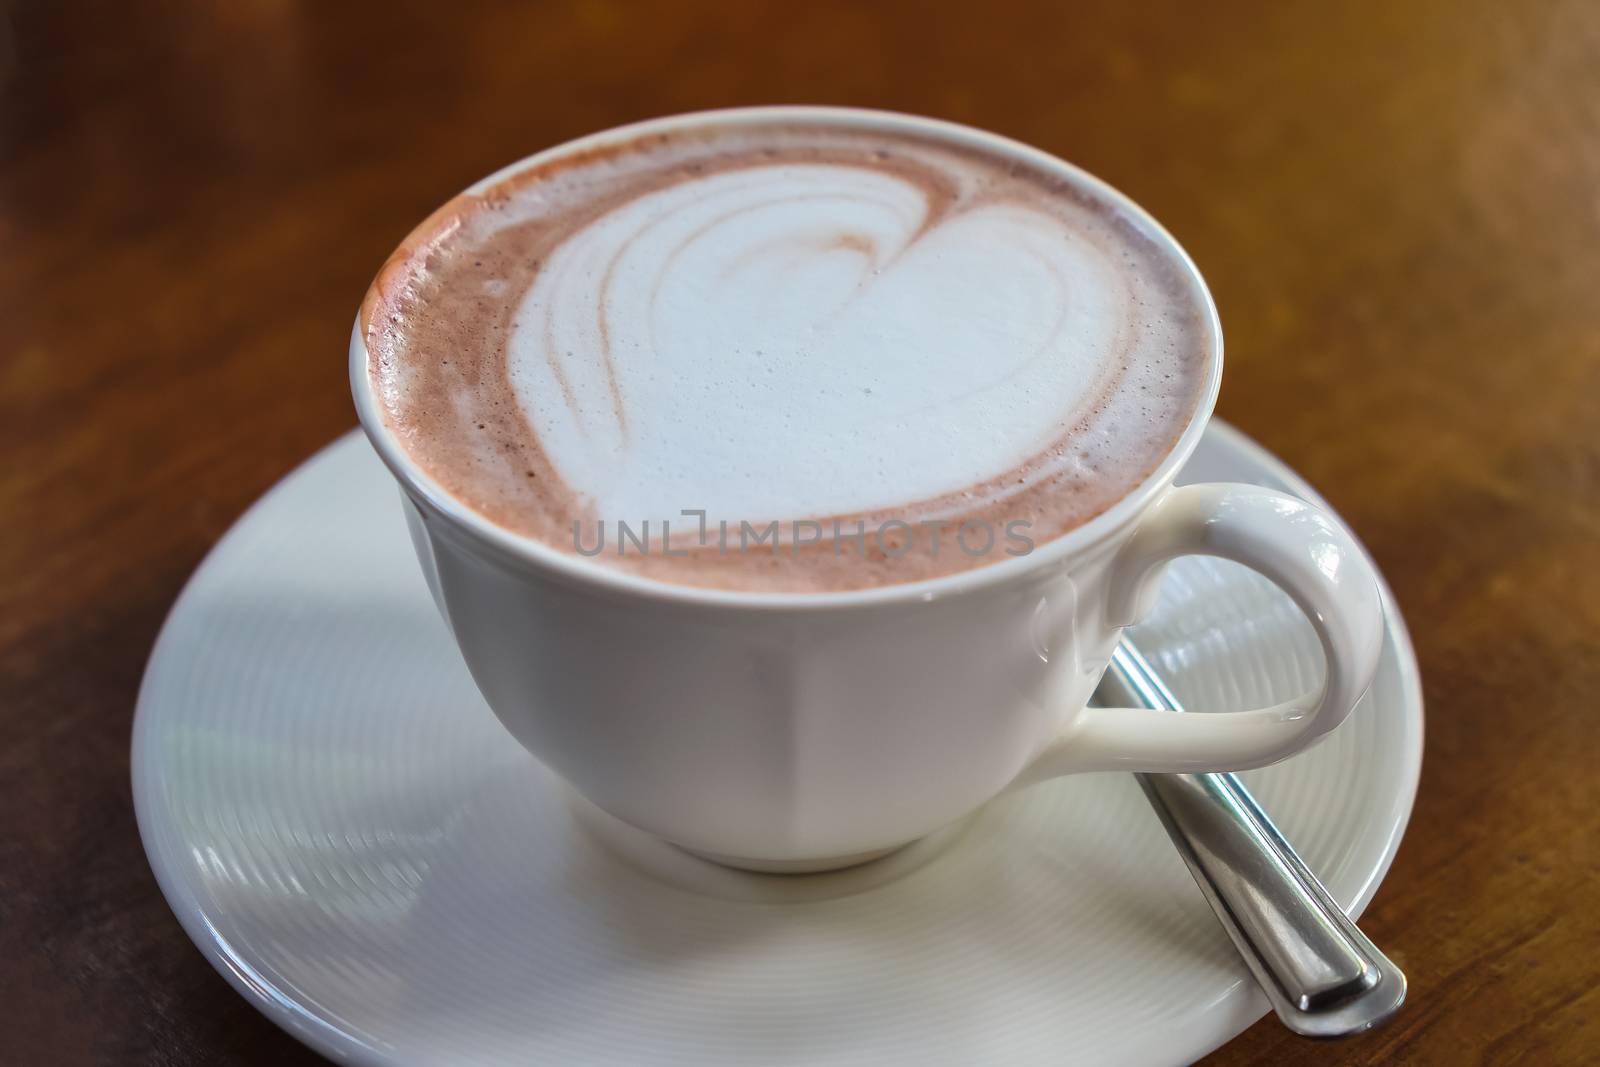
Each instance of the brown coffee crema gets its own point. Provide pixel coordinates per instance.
(509, 427)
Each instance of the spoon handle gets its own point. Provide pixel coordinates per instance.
(1322, 975)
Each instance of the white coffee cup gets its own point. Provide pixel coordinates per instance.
(782, 731)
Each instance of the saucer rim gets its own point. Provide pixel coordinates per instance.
(340, 1045)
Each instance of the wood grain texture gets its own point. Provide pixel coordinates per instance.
(1397, 205)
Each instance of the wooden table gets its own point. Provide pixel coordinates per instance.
(1397, 204)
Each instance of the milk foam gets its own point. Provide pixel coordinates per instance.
(786, 323)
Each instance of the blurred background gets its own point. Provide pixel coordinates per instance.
(1397, 206)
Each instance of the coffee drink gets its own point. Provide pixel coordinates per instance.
(760, 354)
(681, 413)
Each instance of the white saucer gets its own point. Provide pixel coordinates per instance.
(350, 837)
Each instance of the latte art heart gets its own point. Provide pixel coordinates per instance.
(787, 324)
(732, 343)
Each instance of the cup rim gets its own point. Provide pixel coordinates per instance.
(551, 562)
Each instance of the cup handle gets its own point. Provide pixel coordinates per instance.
(1311, 557)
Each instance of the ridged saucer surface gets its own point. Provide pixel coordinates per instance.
(348, 834)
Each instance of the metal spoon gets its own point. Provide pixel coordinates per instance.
(1322, 975)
